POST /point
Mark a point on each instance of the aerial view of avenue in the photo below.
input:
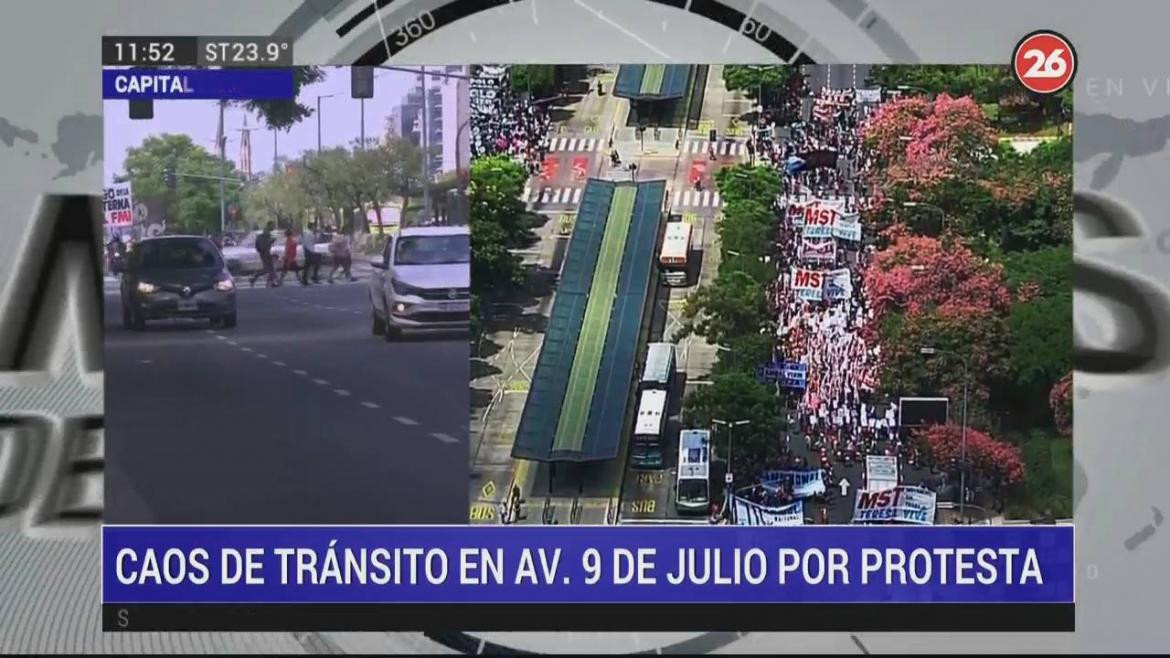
(769, 295)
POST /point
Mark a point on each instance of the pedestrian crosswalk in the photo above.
(575, 144)
(691, 198)
(722, 147)
(547, 196)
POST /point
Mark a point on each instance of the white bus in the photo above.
(676, 249)
(648, 429)
(659, 370)
(693, 490)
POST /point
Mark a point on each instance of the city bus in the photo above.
(693, 491)
(676, 248)
(648, 429)
(659, 370)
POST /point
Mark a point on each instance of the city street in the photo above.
(297, 415)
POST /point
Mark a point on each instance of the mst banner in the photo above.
(808, 284)
(585, 564)
(898, 505)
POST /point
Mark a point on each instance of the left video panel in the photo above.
(286, 300)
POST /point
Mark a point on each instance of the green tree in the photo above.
(193, 206)
(497, 226)
(495, 188)
(732, 306)
(401, 166)
(753, 80)
(1040, 325)
(987, 84)
(737, 396)
(283, 114)
(325, 179)
(743, 182)
(534, 78)
(279, 197)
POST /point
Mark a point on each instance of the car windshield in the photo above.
(433, 250)
(692, 491)
(177, 254)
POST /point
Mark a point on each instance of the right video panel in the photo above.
(769, 295)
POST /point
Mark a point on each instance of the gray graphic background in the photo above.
(51, 144)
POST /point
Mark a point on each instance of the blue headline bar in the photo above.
(198, 84)
(587, 564)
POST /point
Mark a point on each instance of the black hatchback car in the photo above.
(176, 277)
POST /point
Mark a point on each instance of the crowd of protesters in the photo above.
(505, 123)
(836, 415)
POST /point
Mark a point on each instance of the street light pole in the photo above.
(426, 145)
(729, 478)
(319, 125)
(963, 428)
(222, 146)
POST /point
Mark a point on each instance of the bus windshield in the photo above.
(692, 491)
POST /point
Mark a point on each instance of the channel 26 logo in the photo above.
(1044, 62)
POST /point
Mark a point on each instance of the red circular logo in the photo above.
(1044, 62)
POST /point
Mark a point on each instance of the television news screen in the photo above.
(521, 327)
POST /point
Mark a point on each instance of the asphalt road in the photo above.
(298, 415)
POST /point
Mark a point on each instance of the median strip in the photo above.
(570, 434)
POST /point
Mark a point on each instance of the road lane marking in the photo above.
(300, 372)
(145, 361)
(341, 391)
(246, 349)
(322, 382)
(260, 355)
(370, 405)
(232, 343)
(221, 337)
(279, 363)
(406, 421)
(445, 438)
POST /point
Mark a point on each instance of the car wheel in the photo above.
(228, 321)
(392, 333)
(378, 325)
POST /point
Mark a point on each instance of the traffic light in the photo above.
(361, 82)
(142, 109)
(169, 177)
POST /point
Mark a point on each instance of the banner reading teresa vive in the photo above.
(598, 564)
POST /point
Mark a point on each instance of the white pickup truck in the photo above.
(422, 281)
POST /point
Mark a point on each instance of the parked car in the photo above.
(422, 281)
(181, 276)
(242, 258)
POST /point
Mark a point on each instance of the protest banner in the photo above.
(848, 227)
(793, 374)
(881, 472)
(119, 205)
(898, 505)
(801, 484)
(818, 250)
(745, 512)
(873, 95)
(808, 284)
(839, 284)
